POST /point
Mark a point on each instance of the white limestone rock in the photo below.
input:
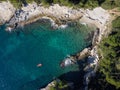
(6, 11)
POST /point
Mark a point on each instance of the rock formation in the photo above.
(6, 12)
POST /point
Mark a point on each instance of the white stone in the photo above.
(6, 11)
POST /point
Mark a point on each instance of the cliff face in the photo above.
(6, 12)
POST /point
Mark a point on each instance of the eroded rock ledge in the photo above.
(59, 14)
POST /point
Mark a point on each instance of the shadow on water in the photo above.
(75, 77)
(32, 85)
(2, 27)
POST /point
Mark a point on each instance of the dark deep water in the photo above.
(21, 51)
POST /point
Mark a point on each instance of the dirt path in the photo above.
(115, 11)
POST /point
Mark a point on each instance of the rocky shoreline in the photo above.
(58, 15)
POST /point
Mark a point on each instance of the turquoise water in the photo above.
(36, 43)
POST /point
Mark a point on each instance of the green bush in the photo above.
(110, 46)
(107, 4)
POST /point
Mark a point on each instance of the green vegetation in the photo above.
(110, 65)
(107, 4)
(108, 75)
(59, 85)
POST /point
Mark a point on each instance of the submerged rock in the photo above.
(69, 60)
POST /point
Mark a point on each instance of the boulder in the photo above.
(6, 12)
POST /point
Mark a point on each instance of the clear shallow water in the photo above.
(20, 52)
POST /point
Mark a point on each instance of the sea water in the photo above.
(23, 49)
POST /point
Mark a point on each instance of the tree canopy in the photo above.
(110, 65)
(108, 4)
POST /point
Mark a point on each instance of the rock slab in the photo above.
(6, 12)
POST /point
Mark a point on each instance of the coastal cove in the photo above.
(52, 47)
(23, 49)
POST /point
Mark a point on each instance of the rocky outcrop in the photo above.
(6, 12)
(59, 14)
(48, 87)
(55, 84)
(33, 12)
(91, 67)
(98, 16)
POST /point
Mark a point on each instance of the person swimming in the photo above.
(39, 65)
